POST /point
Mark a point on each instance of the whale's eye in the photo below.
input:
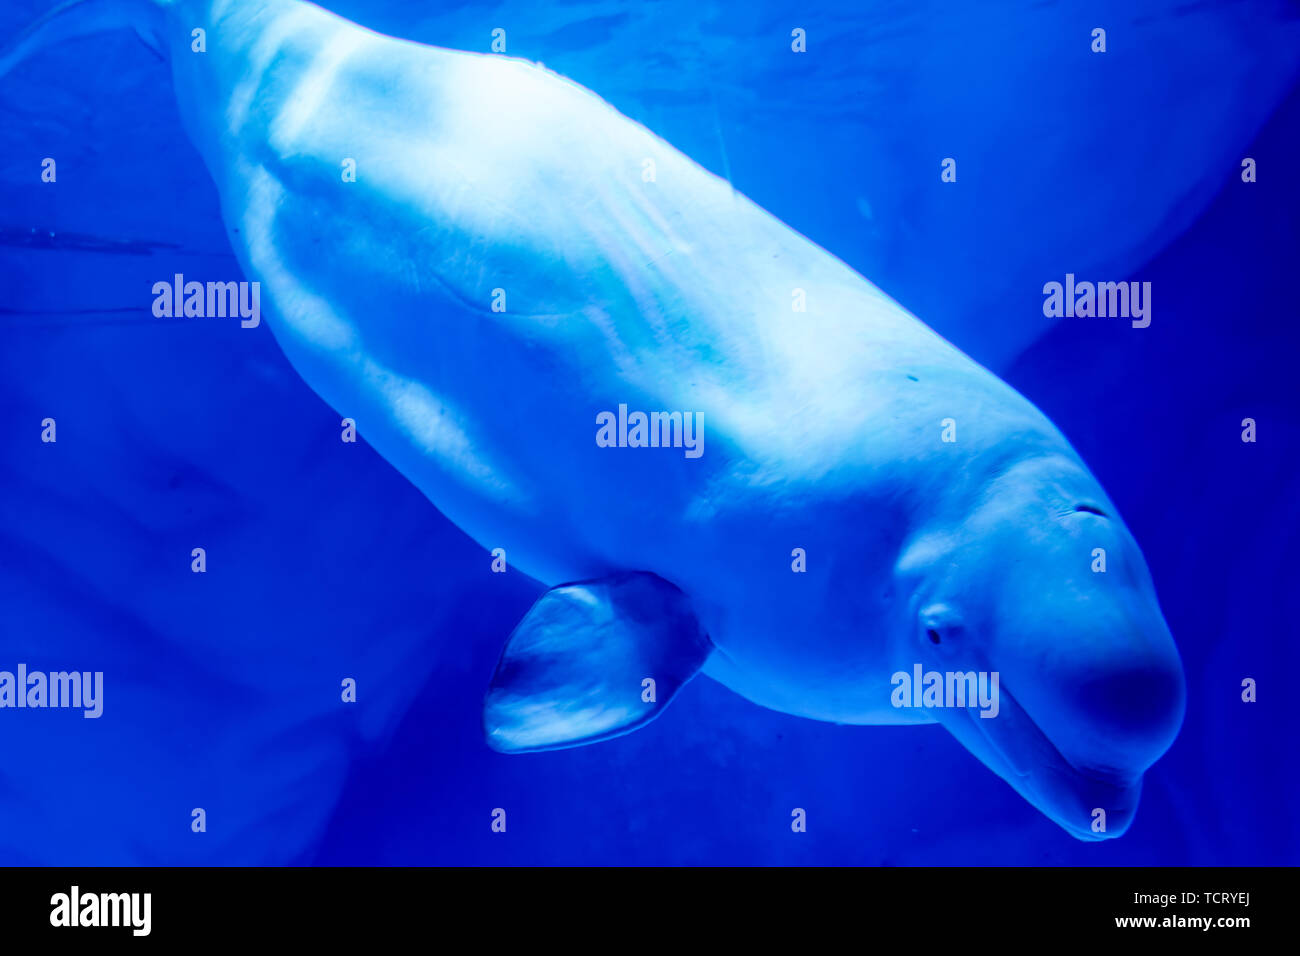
(940, 625)
(1090, 509)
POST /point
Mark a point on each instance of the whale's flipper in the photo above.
(577, 668)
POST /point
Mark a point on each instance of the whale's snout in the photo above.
(1101, 683)
(1049, 596)
(1113, 702)
(1107, 726)
(1088, 780)
(1132, 713)
(1090, 804)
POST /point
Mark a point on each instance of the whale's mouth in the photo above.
(1016, 748)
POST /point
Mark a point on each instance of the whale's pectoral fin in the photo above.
(591, 661)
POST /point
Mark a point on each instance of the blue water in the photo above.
(222, 689)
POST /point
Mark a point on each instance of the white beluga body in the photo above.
(485, 265)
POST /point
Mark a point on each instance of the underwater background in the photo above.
(222, 689)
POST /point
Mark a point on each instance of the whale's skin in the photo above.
(669, 295)
(822, 428)
(1053, 141)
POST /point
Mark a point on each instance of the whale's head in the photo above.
(1037, 584)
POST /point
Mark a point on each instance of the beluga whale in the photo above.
(720, 448)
